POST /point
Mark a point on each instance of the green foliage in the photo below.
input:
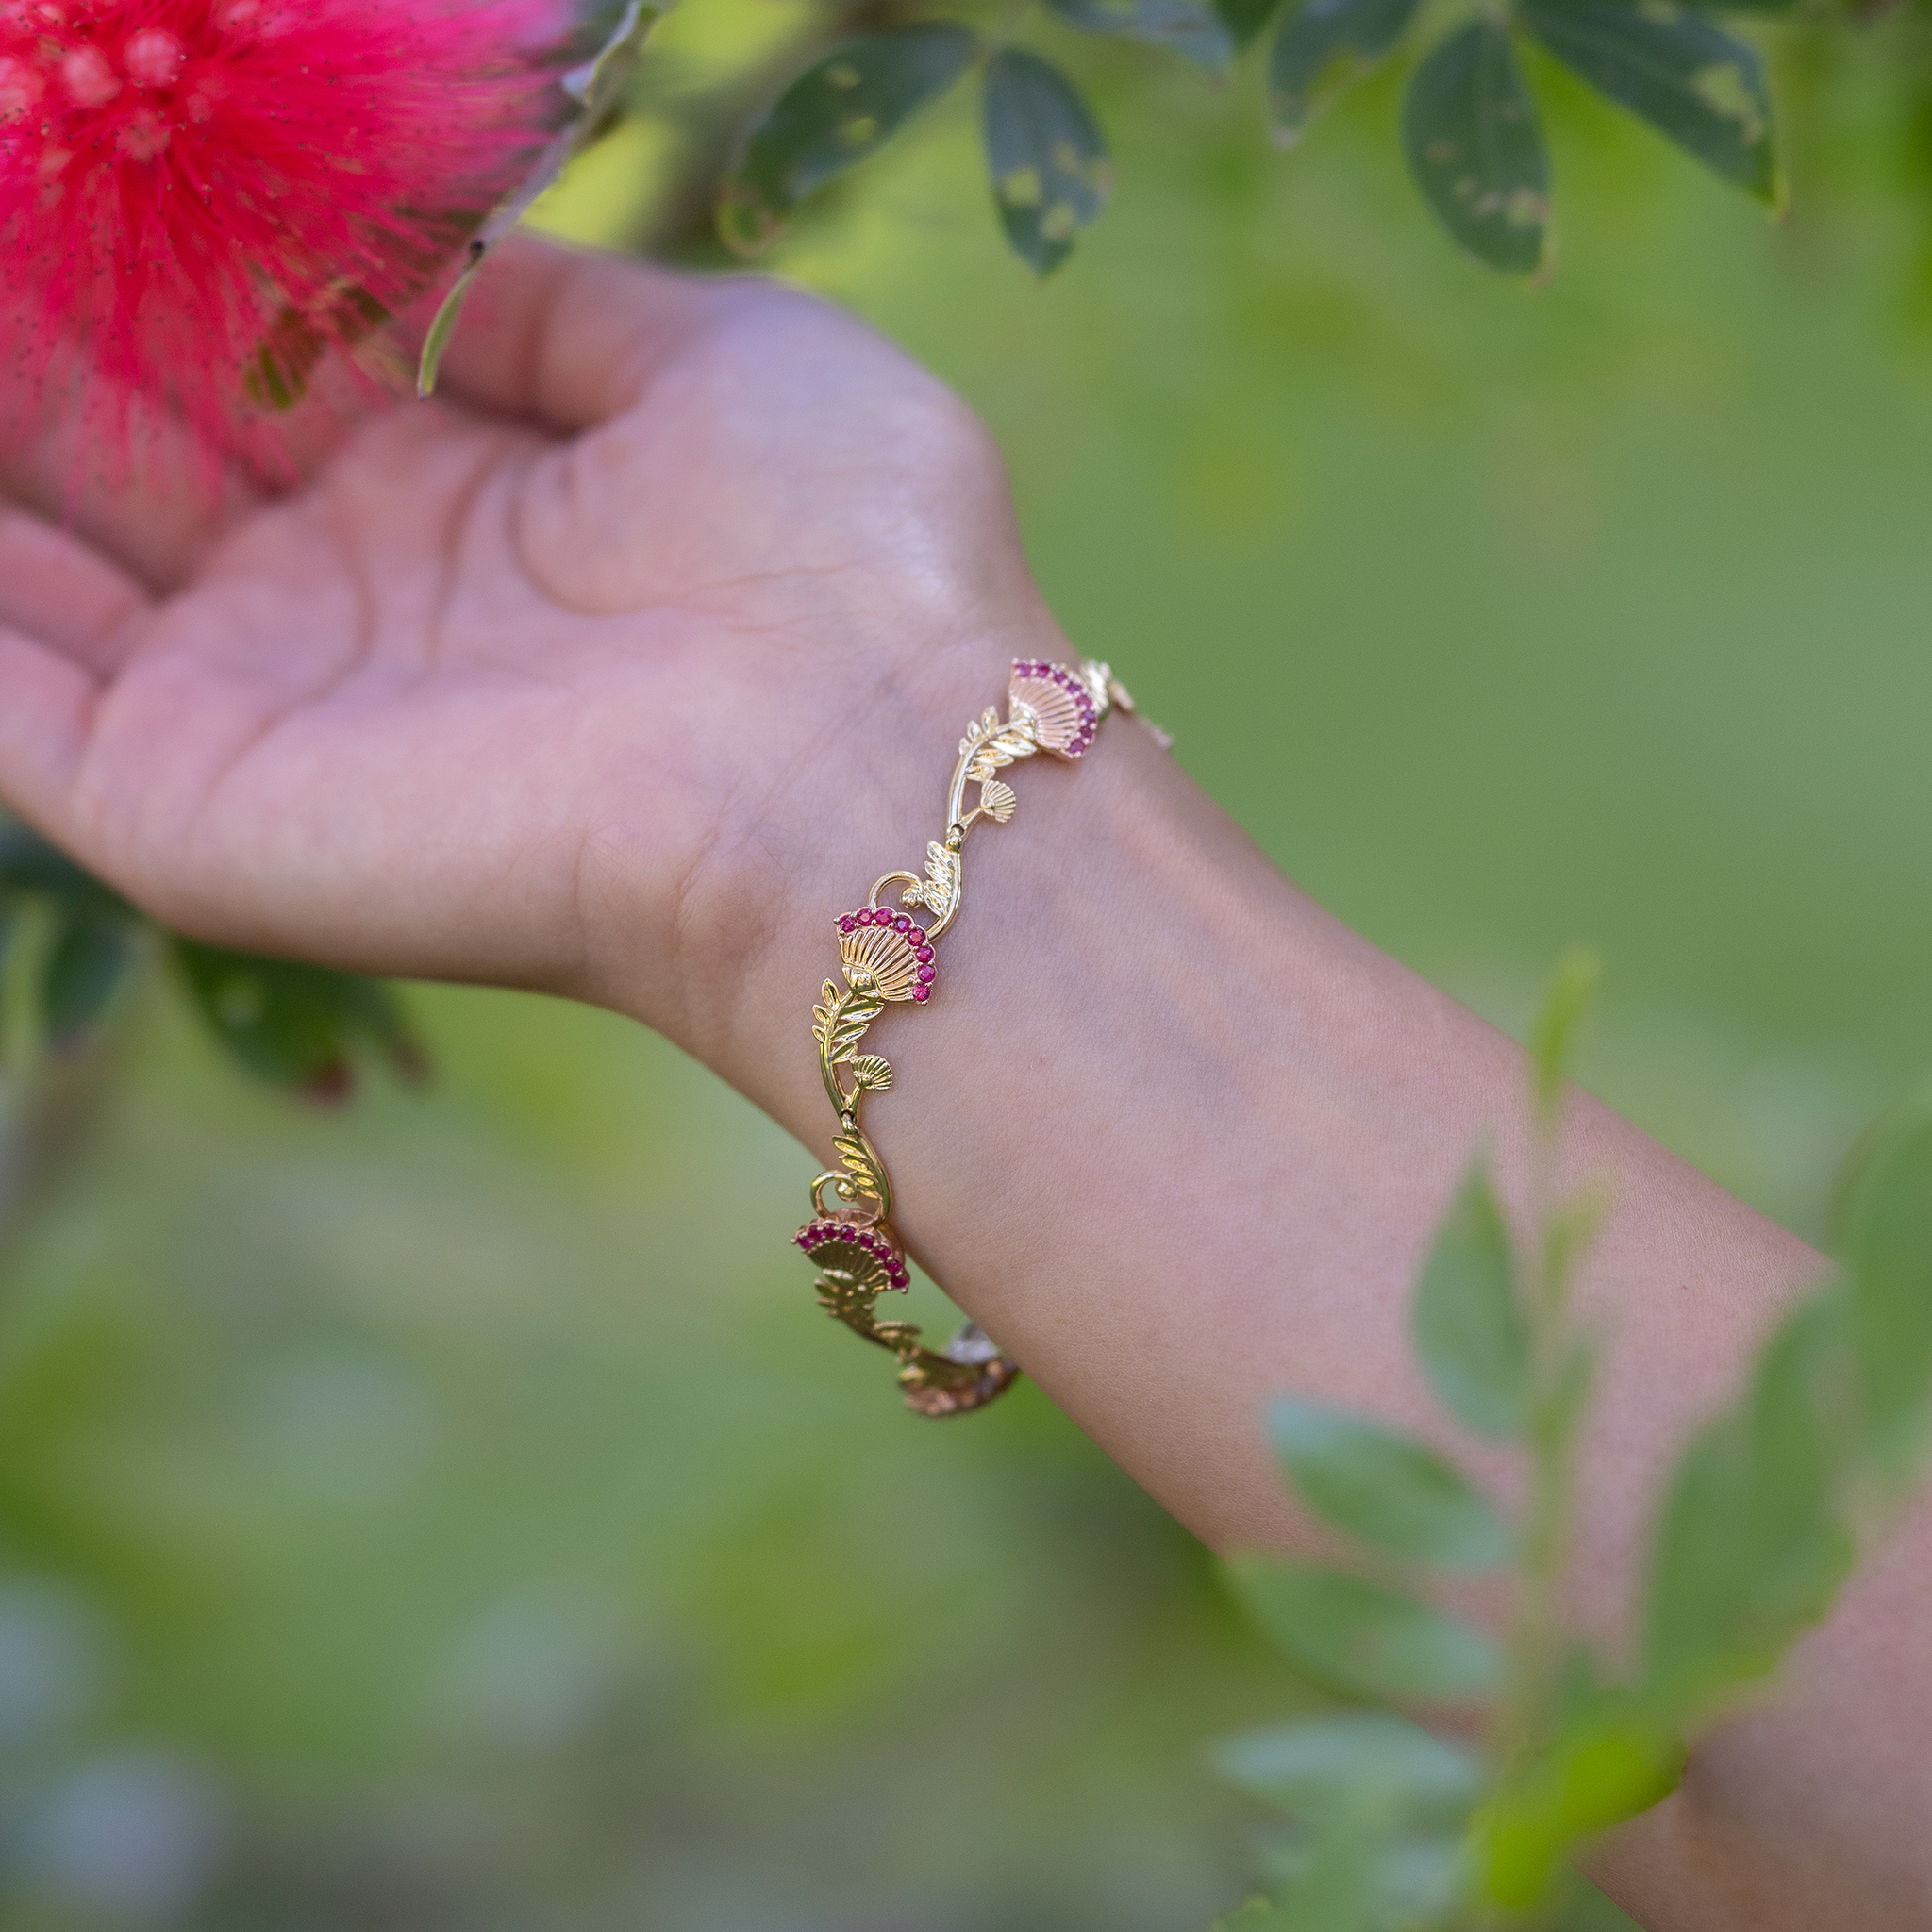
(1689, 80)
(1309, 1768)
(1608, 1763)
(1471, 1334)
(1362, 1637)
(1390, 1494)
(84, 967)
(838, 112)
(90, 937)
(1047, 161)
(1754, 1542)
(1887, 1216)
(1469, 126)
(1554, 1032)
(1475, 148)
(594, 93)
(1194, 31)
(1756, 1531)
(295, 1026)
(1327, 42)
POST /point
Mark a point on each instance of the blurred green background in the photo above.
(453, 1512)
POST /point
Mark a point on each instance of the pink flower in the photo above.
(200, 198)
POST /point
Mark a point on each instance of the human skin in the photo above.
(620, 671)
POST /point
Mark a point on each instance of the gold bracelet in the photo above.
(888, 955)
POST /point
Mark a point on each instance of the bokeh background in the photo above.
(452, 1513)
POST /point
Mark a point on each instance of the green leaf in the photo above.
(1704, 89)
(296, 1027)
(1361, 1637)
(1190, 28)
(1468, 1322)
(1308, 1768)
(84, 968)
(1330, 41)
(1252, 1915)
(1244, 19)
(31, 867)
(837, 114)
(1470, 130)
(598, 87)
(1356, 1869)
(1888, 1245)
(1554, 1032)
(1049, 166)
(1334, 1881)
(1752, 1544)
(1607, 1765)
(1387, 1492)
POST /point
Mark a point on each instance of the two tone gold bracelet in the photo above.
(887, 955)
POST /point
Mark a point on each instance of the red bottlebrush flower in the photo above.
(198, 197)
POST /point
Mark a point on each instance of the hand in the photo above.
(543, 684)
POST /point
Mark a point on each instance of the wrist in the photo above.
(851, 785)
(1023, 1120)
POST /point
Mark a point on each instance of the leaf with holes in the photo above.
(837, 114)
(1325, 44)
(1190, 28)
(1702, 88)
(1049, 166)
(1476, 151)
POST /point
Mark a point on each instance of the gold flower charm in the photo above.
(887, 954)
(1064, 711)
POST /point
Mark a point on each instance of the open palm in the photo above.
(543, 684)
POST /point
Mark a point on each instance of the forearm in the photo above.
(1179, 1141)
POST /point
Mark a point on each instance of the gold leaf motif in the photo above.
(1009, 743)
(869, 1070)
(863, 1164)
(942, 870)
(996, 800)
(840, 1024)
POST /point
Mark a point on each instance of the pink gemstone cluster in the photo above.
(909, 931)
(819, 1233)
(1074, 689)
